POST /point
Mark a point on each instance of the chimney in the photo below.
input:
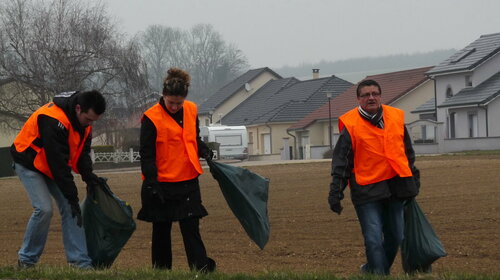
(315, 73)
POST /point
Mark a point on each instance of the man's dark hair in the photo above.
(367, 83)
(91, 100)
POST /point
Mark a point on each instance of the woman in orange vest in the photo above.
(53, 142)
(375, 156)
(170, 148)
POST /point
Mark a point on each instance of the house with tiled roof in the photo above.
(467, 97)
(232, 94)
(403, 89)
(269, 112)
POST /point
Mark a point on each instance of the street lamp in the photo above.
(210, 113)
(329, 96)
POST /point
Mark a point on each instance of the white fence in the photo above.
(115, 157)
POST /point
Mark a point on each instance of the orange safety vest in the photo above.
(379, 154)
(29, 133)
(176, 147)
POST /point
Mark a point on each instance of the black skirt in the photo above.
(171, 201)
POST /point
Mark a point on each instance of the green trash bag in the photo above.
(108, 224)
(421, 246)
(246, 194)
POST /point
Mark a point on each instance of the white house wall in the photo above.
(8, 136)
(456, 82)
(462, 121)
(486, 70)
(277, 132)
(493, 118)
(413, 99)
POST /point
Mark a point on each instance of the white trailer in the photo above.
(233, 140)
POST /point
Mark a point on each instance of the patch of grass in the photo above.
(481, 152)
(59, 273)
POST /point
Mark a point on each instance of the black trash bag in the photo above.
(421, 246)
(246, 194)
(108, 224)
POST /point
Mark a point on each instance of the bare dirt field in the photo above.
(459, 194)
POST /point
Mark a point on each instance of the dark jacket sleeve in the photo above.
(406, 187)
(203, 149)
(54, 138)
(147, 151)
(342, 164)
(410, 154)
(85, 162)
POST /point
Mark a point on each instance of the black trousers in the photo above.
(161, 248)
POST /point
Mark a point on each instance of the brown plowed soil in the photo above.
(460, 196)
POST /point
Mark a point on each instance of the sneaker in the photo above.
(363, 268)
(24, 265)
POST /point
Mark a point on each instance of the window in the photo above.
(423, 131)
(452, 125)
(468, 80)
(207, 122)
(449, 92)
(250, 137)
(472, 120)
(462, 54)
(229, 140)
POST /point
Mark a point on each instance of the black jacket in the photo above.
(54, 139)
(343, 165)
(167, 201)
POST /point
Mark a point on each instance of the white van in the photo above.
(233, 140)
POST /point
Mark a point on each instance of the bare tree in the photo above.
(50, 47)
(162, 47)
(53, 46)
(201, 50)
(214, 62)
(128, 95)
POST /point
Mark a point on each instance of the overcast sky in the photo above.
(276, 33)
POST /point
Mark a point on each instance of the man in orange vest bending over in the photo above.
(375, 156)
(54, 141)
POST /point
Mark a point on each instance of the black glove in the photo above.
(337, 208)
(95, 181)
(335, 205)
(76, 212)
(209, 155)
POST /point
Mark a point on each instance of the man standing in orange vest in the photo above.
(54, 141)
(375, 156)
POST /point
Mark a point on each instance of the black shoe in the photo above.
(209, 266)
(364, 268)
(24, 265)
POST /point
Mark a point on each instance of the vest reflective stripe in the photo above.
(29, 133)
(379, 154)
(176, 147)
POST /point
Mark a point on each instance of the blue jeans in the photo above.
(40, 189)
(382, 224)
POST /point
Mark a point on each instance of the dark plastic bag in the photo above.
(246, 194)
(108, 224)
(421, 246)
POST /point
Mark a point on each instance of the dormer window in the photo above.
(449, 92)
(462, 54)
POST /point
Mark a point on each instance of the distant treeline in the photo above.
(355, 69)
